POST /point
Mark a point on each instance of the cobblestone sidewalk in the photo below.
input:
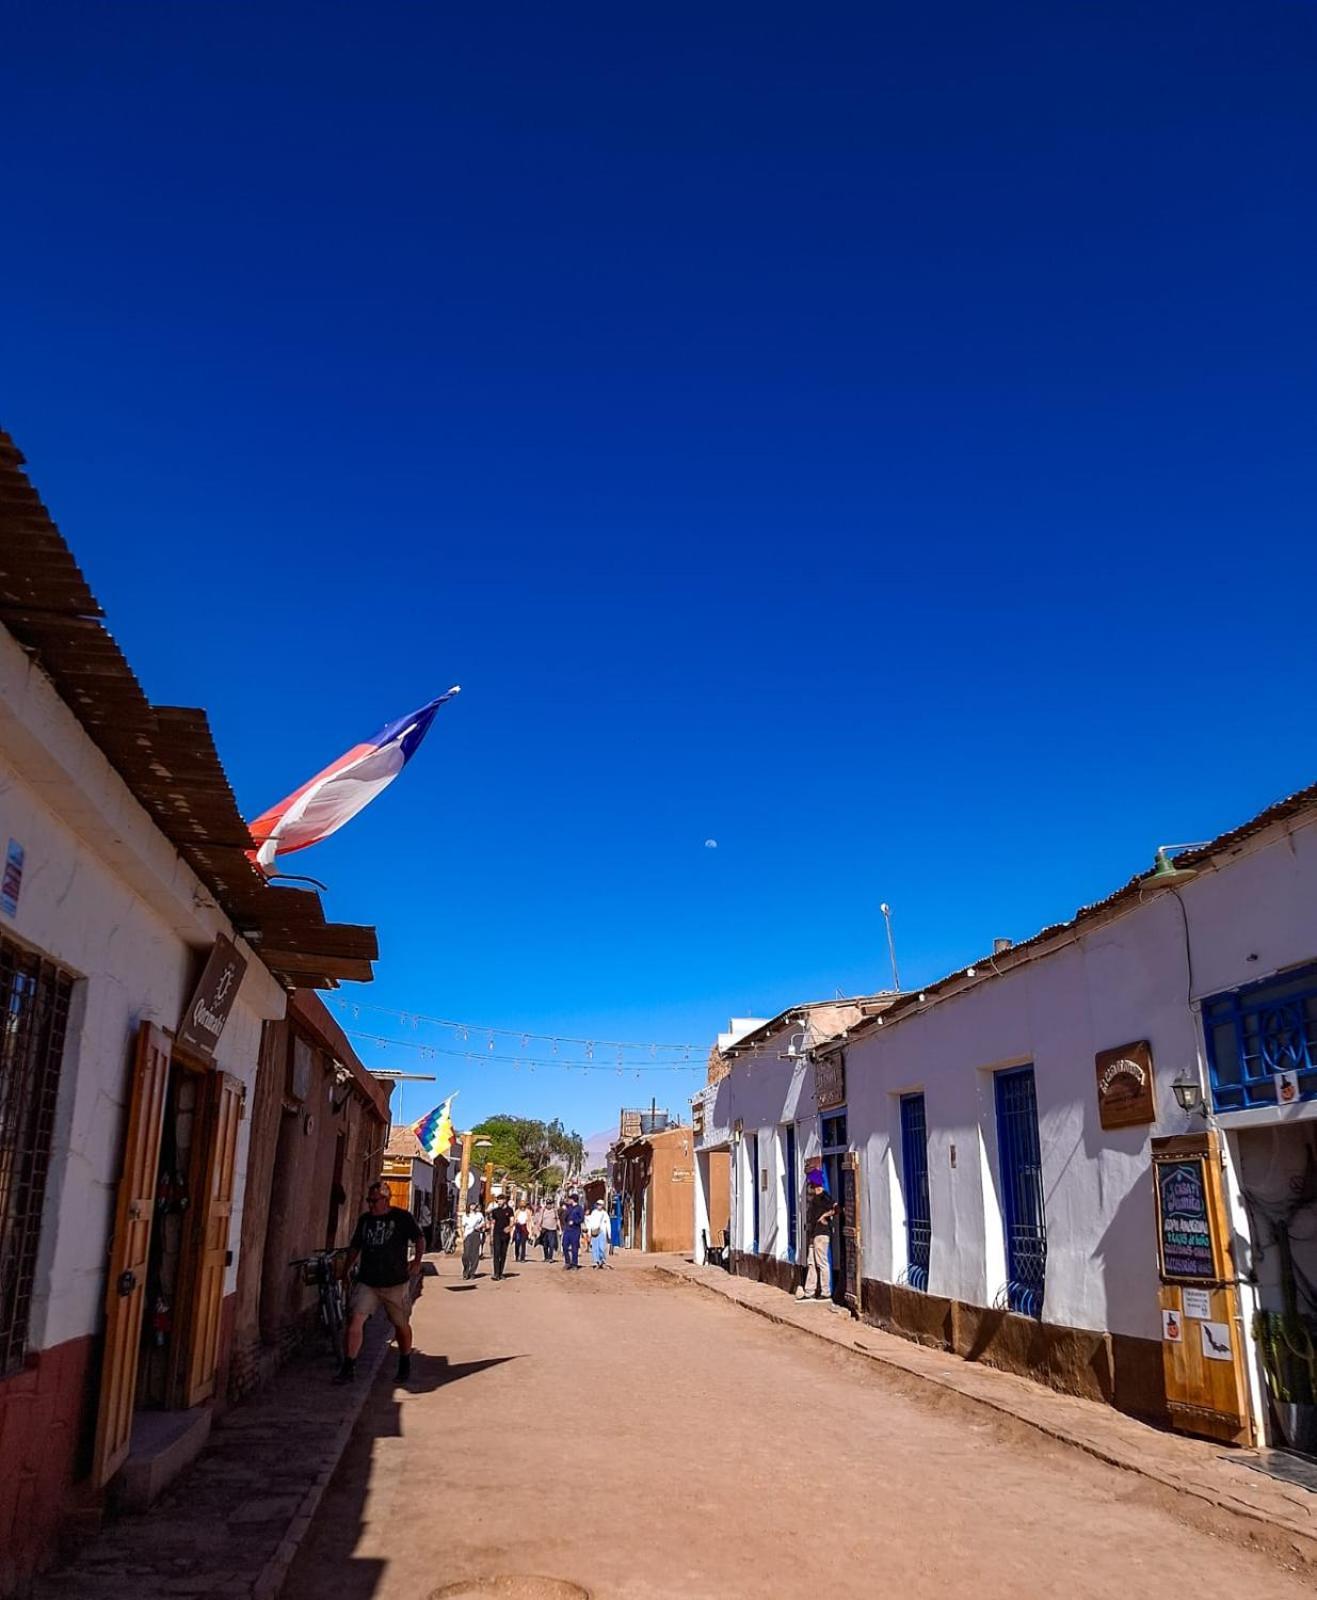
(232, 1522)
(1265, 1509)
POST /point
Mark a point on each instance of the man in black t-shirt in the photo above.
(501, 1217)
(389, 1244)
(820, 1209)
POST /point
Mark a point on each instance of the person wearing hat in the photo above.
(597, 1226)
(571, 1234)
(820, 1209)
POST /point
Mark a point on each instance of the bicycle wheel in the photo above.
(331, 1314)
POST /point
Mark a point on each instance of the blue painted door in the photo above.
(914, 1182)
(792, 1199)
(752, 1153)
(1021, 1166)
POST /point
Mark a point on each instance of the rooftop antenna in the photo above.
(891, 945)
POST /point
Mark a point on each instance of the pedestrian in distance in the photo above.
(520, 1231)
(597, 1225)
(473, 1230)
(820, 1209)
(549, 1230)
(500, 1217)
(572, 1222)
(386, 1248)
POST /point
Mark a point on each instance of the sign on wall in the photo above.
(11, 886)
(212, 1000)
(1125, 1086)
(830, 1080)
(1184, 1225)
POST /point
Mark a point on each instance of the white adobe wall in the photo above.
(1125, 980)
(105, 895)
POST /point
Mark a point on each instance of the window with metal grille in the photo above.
(34, 1007)
(1021, 1165)
(914, 1183)
(1257, 1032)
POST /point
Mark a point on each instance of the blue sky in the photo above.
(878, 438)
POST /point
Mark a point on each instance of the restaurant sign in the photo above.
(212, 1000)
(1125, 1086)
(830, 1080)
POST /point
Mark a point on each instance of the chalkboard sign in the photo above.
(1184, 1224)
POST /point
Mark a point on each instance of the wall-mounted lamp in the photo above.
(1188, 1092)
(1165, 874)
(343, 1081)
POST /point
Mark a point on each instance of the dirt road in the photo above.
(636, 1437)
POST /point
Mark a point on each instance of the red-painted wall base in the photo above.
(43, 1447)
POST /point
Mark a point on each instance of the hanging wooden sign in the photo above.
(212, 1000)
(830, 1080)
(1125, 1086)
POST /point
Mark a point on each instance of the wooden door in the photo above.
(203, 1290)
(850, 1230)
(129, 1249)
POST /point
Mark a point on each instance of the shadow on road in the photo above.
(435, 1372)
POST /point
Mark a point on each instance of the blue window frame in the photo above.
(752, 1151)
(1021, 1166)
(914, 1184)
(792, 1199)
(1255, 1032)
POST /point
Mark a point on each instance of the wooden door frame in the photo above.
(189, 1245)
(192, 1245)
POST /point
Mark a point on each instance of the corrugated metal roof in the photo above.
(165, 754)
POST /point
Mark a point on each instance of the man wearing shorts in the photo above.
(389, 1245)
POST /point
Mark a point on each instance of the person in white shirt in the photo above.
(520, 1231)
(597, 1226)
(473, 1228)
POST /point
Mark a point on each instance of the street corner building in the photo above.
(652, 1167)
(1089, 1158)
(179, 1116)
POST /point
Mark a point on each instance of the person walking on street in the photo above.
(820, 1208)
(572, 1221)
(473, 1227)
(549, 1230)
(501, 1217)
(597, 1226)
(520, 1231)
(385, 1238)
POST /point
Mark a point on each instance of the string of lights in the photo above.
(430, 1052)
(468, 1030)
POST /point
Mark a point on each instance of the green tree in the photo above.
(528, 1149)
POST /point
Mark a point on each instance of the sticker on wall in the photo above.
(1287, 1087)
(1216, 1341)
(1197, 1304)
(12, 884)
(1172, 1327)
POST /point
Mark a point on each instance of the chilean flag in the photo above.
(323, 804)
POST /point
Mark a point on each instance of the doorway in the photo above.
(835, 1149)
(168, 1263)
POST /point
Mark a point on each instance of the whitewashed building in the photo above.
(1003, 1129)
(140, 957)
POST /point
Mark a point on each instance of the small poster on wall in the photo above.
(1172, 1327)
(1197, 1304)
(1216, 1341)
(1287, 1087)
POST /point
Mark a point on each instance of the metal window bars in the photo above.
(914, 1175)
(34, 1007)
(1021, 1170)
(1254, 1033)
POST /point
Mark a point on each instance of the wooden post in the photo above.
(467, 1139)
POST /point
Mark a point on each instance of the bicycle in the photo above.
(448, 1236)
(320, 1269)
